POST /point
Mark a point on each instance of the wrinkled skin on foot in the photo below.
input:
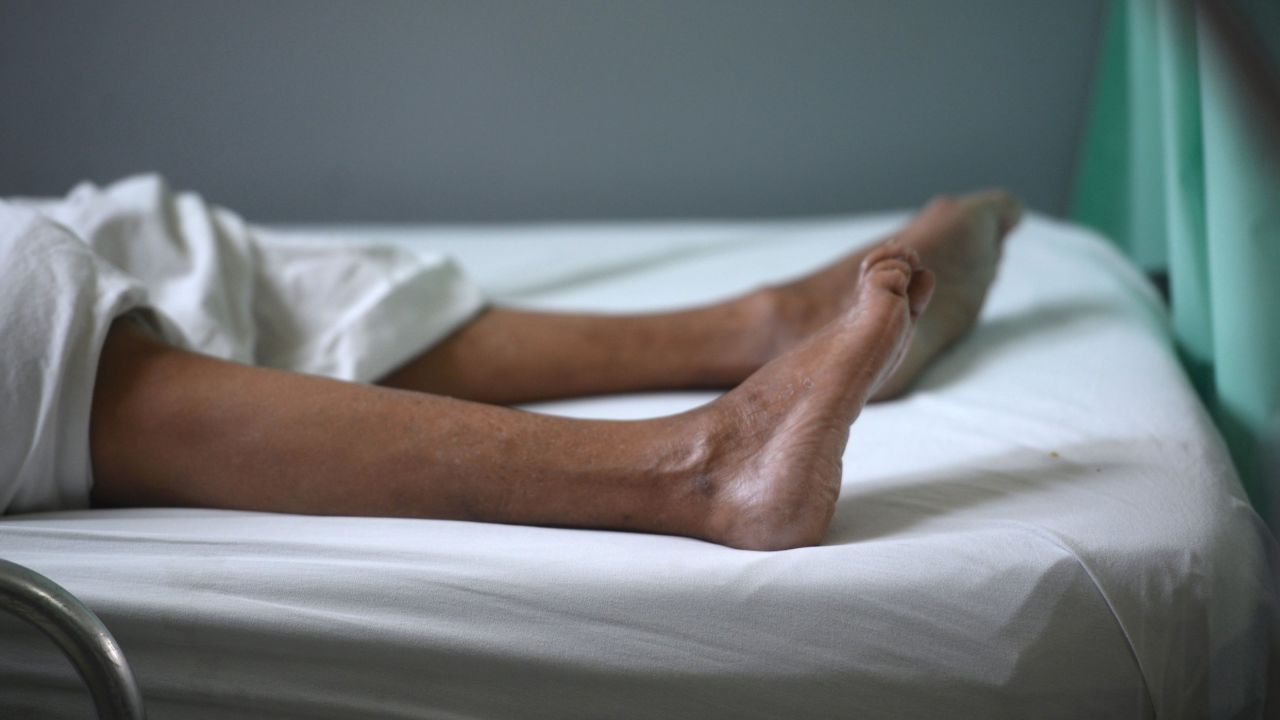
(958, 239)
(774, 445)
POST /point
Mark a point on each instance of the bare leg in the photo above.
(510, 356)
(758, 468)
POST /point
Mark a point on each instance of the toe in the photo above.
(1011, 214)
(887, 252)
(889, 270)
(1006, 208)
(919, 291)
(940, 204)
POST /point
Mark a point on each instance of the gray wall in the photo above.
(302, 110)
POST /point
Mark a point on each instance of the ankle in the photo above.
(768, 323)
(716, 484)
(694, 445)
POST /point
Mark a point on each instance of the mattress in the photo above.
(1047, 526)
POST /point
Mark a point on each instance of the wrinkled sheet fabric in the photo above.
(201, 278)
(1047, 527)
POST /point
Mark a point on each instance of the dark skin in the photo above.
(758, 468)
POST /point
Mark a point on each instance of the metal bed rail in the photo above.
(79, 634)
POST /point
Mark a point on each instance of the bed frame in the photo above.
(79, 634)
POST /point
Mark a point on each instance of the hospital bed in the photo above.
(1048, 526)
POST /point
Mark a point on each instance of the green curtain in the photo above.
(1175, 168)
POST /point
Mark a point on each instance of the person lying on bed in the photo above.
(158, 354)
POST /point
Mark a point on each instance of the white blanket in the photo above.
(1048, 526)
(72, 266)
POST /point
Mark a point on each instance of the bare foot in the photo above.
(958, 239)
(773, 445)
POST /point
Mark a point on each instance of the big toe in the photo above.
(1004, 207)
(919, 291)
(889, 269)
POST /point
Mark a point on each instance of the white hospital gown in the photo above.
(207, 283)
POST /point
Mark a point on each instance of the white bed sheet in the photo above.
(1048, 526)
